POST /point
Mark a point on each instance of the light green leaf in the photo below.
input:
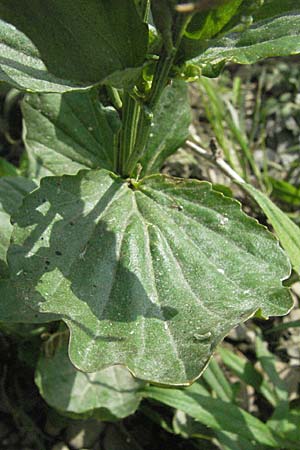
(110, 394)
(287, 231)
(69, 132)
(170, 127)
(127, 267)
(214, 413)
(61, 45)
(277, 35)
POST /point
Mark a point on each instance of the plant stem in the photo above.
(114, 96)
(216, 161)
(130, 122)
(145, 8)
(159, 82)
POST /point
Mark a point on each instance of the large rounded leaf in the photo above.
(60, 45)
(109, 394)
(151, 276)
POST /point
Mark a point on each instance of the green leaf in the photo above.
(287, 231)
(127, 267)
(69, 132)
(12, 307)
(285, 192)
(12, 192)
(207, 24)
(170, 126)
(214, 413)
(62, 45)
(270, 35)
(246, 372)
(7, 169)
(110, 394)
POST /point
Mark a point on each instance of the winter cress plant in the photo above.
(147, 271)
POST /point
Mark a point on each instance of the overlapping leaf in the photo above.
(12, 306)
(61, 45)
(275, 32)
(12, 192)
(167, 261)
(109, 394)
(69, 132)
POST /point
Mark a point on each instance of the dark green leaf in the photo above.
(12, 306)
(170, 127)
(12, 192)
(110, 394)
(60, 45)
(167, 261)
(69, 132)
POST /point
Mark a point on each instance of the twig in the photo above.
(216, 161)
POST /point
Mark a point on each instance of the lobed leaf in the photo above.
(127, 267)
(110, 394)
(62, 45)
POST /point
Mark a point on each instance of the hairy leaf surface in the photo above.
(109, 394)
(69, 132)
(60, 45)
(151, 276)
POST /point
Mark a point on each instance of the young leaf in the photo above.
(126, 267)
(69, 132)
(287, 231)
(270, 35)
(110, 394)
(170, 127)
(61, 45)
(215, 413)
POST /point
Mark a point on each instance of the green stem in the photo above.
(130, 121)
(160, 81)
(114, 96)
(145, 8)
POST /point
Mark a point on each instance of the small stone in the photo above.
(84, 434)
(60, 446)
